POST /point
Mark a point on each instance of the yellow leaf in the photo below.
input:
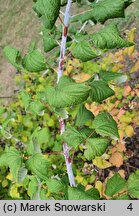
(81, 77)
(131, 34)
(79, 179)
(99, 187)
(9, 177)
(129, 131)
(101, 163)
(14, 191)
(135, 67)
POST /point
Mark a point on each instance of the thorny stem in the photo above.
(60, 73)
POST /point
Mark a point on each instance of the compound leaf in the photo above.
(48, 10)
(78, 194)
(13, 56)
(100, 90)
(108, 76)
(109, 38)
(105, 125)
(83, 51)
(55, 186)
(38, 165)
(49, 42)
(67, 93)
(83, 116)
(114, 185)
(34, 61)
(13, 160)
(95, 147)
(73, 137)
(133, 185)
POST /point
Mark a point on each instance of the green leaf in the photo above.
(88, 132)
(49, 42)
(88, 15)
(73, 137)
(55, 186)
(33, 144)
(43, 135)
(95, 147)
(13, 56)
(26, 98)
(108, 76)
(133, 185)
(22, 173)
(107, 9)
(48, 10)
(61, 112)
(84, 52)
(103, 10)
(38, 165)
(36, 107)
(109, 38)
(34, 61)
(114, 185)
(100, 91)
(34, 188)
(105, 125)
(122, 197)
(83, 116)
(67, 93)
(78, 194)
(13, 160)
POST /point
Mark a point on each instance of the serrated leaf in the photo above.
(108, 76)
(73, 137)
(114, 185)
(55, 186)
(133, 185)
(13, 160)
(109, 38)
(39, 166)
(83, 116)
(100, 91)
(78, 194)
(48, 10)
(101, 163)
(61, 112)
(33, 144)
(13, 56)
(34, 61)
(102, 11)
(26, 98)
(88, 132)
(14, 191)
(34, 188)
(21, 174)
(95, 147)
(49, 42)
(88, 15)
(122, 197)
(67, 93)
(36, 107)
(107, 9)
(105, 125)
(43, 135)
(84, 52)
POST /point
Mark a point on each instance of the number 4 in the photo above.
(129, 207)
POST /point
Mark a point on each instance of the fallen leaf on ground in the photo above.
(116, 159)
